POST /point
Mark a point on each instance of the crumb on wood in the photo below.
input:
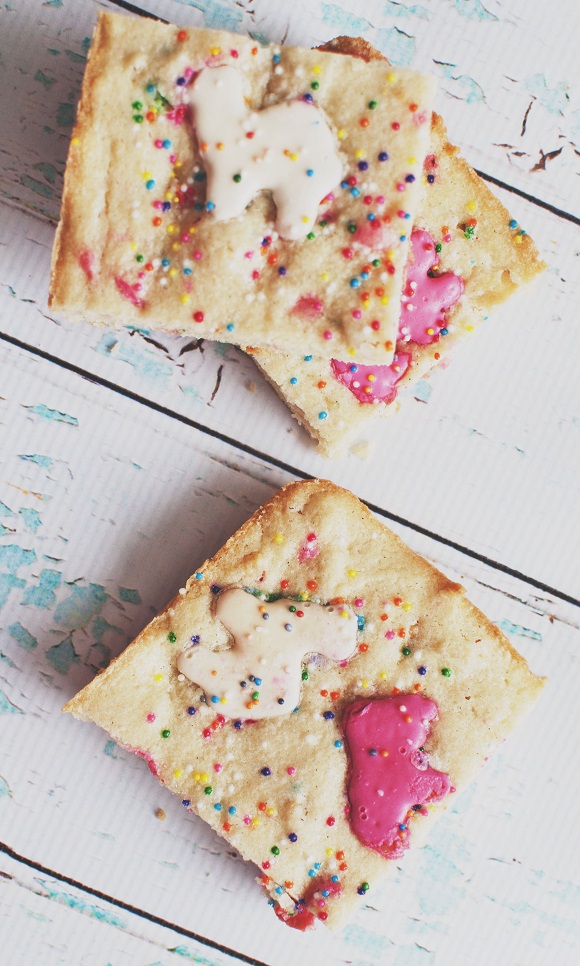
(160, 814)
(252, 386)
(361, 449)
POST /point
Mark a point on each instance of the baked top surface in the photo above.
(285, 777)
(132, 247)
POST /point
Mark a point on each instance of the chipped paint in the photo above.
(6, 705)
(397, 45)
(82, 604)
(129, 596)
(62, 656)
(517, 630)
(554, 99)
(5, 791)
(148, 364)
(65, 114)
(43, 595)
(217, 15)
(40, 409)
(343, 20)
(12, 557)
(38, 187)
(46, 462)
(76, 902)
(25, 638)
(393, 9)
(473, 10)
(463, 87)
(31, 519)
(9, 582)
(42, 78)
(422, 391)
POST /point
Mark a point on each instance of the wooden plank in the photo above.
(43, 919)
(496, 433)
(108, 506)
(509, 87)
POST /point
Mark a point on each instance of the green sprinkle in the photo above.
(136, 105)
(351, 228)
(138, 118)
(372, 105)
(237, 178)
(438, 248)
(275, 850)
(165, 733)
(208, 789)
(376, 262)
(171, 637)
(255, 695)
(315, 85)
(292, 609)
(323, 224)
(310, 236)
(446, 672)
(406, 651)
(364, 885)
(469, 231)
(305, 675)
(139, 258)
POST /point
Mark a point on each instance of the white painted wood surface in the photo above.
(112, 492)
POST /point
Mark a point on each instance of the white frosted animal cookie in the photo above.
(259, 675)
(287, 148)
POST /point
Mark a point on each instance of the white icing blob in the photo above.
(287, 149)
(270, 643)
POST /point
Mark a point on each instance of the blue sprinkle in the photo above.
(325, 893)
(344, 185)
(186, 802)
(430, 178)
(280, 700)
(215, 588)
(355, 192)
(307, 358)
(523, 231)
(363, 165)
(402, 827)
(317, 865)
(165, 262)
(282, 271)
(199, 575)
(406, 215)
(237, 724)
(232, 810)
(373, 752)
(195, 638)
(150, 88)
(218, 807)
(276, 59)
(230, 327)
(265, 772)
(265, 617)
(328, 715)
(266, 242)
(191, 710)
(353, 367)
(410, 178)
(150, 184)
(354, 282)
(334, 878)
(383, 156)
(338, 743)
(360, 622)
(444, 331)
(209, 206)
(402, 238)
(214, 699)
(323, 414)
(258, 681)
(308, 98)
(513, 223)
(293, 837)
(288, 627)
(166, 143)
(293, 382)
(250, 677)
(187, 271)
(310, 172)
(364, 276)
(180, 81)
(311, 873)
(422, 669)
(371, 217)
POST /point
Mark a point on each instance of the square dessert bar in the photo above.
(213, 185)
(316, 693)
(479, 256)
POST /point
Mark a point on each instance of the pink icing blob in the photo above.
(310, 306)
(309, 549)
(382, 387)
(375, 235)
(382, 789)
(303, 918)
(424, 298)
(87, 263)
(128, 292)
(427, 298)
(148, 758)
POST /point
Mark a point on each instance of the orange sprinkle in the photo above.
(402, 632)
(384, 617)
(363, 648)
(321, 384)
(397, 601)
(182, 35)
(364, 122)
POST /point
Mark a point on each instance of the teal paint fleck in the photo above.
(40, 409)
(413, 955)
(62, 656)
(4, 530)
(4, 788)
(366, 942)
(45, 461)
(12, 557)
(5, 511)
(9, 582)
(129, 596)
(109, 748)
(186, 953)
(398, 46)
(516, 629)
(38, 187)
(82, 604)
(6, 706)
(65, 115)
(555, 99)
(86, 44)
(47, 170)
(148, 363)
(7, 660)
(465, 88)
(54, 52)
(43, 595)
(53, 3)
(343, 20)
(473, 10)
(100, 654)
(31, 519)
(46, 82)
(76, 58)
(24, 637)
(80, 905)
(216, 15)
(422, 391)
(401, 10)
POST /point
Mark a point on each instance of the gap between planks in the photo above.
(281, 464)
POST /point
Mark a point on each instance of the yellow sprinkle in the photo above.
(176, 199)
(383, 675)
(324, 276)
(412, 160)
(178, 164)
(359, 154)
(365, 684)
(175, 245)
(344, 613)
(192, 230)
(391, 78)
(158, 677)
(407, 606)
(177, 773)
(518, 239)
(351, 573)
(215, 51)
(223, 700)
(330, 851)
(185, 299)
(220, 145)
(304, 596)
(305, 219)
(171, 229)
(294, 156)
(279, 538)
(255, 822)
(371, 377)
(385, 300)
(197, 777)
(351, 351)
(316, 69)
(75, 141)
(146, 175)
(205, 777)
(133, 246)
(270, 811)
(430, 331)
(168, 195)
(173, 272)
(471, 206)
(341, 133)
(469, 328)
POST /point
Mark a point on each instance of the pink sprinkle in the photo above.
(197, 255)
(400, 186)
(359, 602)
(137, 287)
(356, 314)
(389, 635)
(327, 334)
(158, 143)
(173, 158)
(188, 72)
(447, 238)
(255, 274)
(185, 238)
(247, 820)
(150, 717)
(249, 255)
(158, 205)
(217, 766)
(291, 770)
(380, 199)
(401, 213)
